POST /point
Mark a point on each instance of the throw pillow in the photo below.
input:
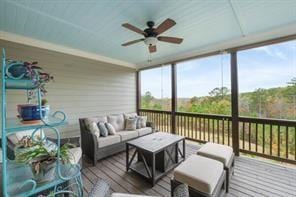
(93, 127)
(131, 124)
(181, 191)
(89, 124)
(111, 129)
(139, 120)
(103, 129)
(142, 120)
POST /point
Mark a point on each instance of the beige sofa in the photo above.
(96, 147)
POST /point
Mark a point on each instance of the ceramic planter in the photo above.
(31, 112)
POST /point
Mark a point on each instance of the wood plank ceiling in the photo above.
(95, 26)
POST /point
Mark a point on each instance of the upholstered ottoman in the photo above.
(220, 153)
(204, 176)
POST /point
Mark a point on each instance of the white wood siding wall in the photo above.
(81, 88)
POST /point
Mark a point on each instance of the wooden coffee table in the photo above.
(157, 153)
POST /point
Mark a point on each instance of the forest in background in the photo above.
(277, 103)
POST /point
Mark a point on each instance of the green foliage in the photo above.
(278, 103)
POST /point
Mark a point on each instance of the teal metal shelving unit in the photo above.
(17, 179)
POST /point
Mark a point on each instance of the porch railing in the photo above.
(270, 138)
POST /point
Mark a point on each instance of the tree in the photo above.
(219, 92)
(147, 99)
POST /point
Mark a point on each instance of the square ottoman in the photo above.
(221, 153)
(204, 176)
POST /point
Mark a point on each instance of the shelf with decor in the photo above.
(40, 165)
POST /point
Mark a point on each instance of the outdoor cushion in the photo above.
(103, 129)
(130, 115)
(16, 137)
(218, 152)
(131, 124)
(117, 121)
(109, 140)
(89, 123)
(144, 131)
(75, 155)
(126, 135)
(200, 173)
(141, 122)
(93, 128)
(110, 128)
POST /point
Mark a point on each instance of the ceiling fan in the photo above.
(151, 34)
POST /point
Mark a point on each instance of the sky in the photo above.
(263, 67)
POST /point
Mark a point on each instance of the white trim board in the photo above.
(62, 49)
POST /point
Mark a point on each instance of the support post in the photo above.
(138, 91)
(234, 103)
(174, 98)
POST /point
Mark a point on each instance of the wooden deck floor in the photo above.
(252, 178)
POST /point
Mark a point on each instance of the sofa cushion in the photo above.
(200, 173)
(130, 115)
(103, 129)
(16, 137)
(218, 152)
(75, 155)
(142, 120)
(131, 124)
(144, 131)
(109, 140)
(89, 122)
(94, 129)
(111, 130)
(126, 135)
(117, 121)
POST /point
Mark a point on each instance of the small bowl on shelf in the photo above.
(30, 112)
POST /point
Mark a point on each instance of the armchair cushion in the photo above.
(75, 155)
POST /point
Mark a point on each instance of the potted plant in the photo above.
(30, 70)
(42, 157)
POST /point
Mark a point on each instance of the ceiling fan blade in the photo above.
(165, 25)
(134, 29)
(132, 42)
(152, 48)
(173, 40)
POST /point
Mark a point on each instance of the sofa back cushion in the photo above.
(130, 115)
(88, 122)
(117, 121)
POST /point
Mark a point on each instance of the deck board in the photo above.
(252, 177)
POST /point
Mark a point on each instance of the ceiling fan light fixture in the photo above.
(150, 41)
